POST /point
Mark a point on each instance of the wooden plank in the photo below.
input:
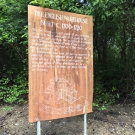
(60, 64)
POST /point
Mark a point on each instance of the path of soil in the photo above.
(116, 120)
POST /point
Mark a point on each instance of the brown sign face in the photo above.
(60, 64)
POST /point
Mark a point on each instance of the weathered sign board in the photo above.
(60, 64)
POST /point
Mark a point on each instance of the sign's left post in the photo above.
(38, 128)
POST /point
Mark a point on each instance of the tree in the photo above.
(114, 46)
(13, 50)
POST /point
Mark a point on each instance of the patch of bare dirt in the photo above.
(116, 120)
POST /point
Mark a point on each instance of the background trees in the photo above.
(13, 50)
(114, 31)
(114, 46)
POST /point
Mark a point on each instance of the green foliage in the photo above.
(63, 5)
(114, 47)
(114, 57)
(7, 108)
(13, 51)
(15, 89)
(102, 97)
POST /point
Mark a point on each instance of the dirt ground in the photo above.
(116, 120)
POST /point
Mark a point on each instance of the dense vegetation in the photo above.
(114, 47)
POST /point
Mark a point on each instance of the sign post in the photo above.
(85, 124)
(38, 128)
(60, 64)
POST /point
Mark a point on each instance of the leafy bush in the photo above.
(13, 51)
(114, 47)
